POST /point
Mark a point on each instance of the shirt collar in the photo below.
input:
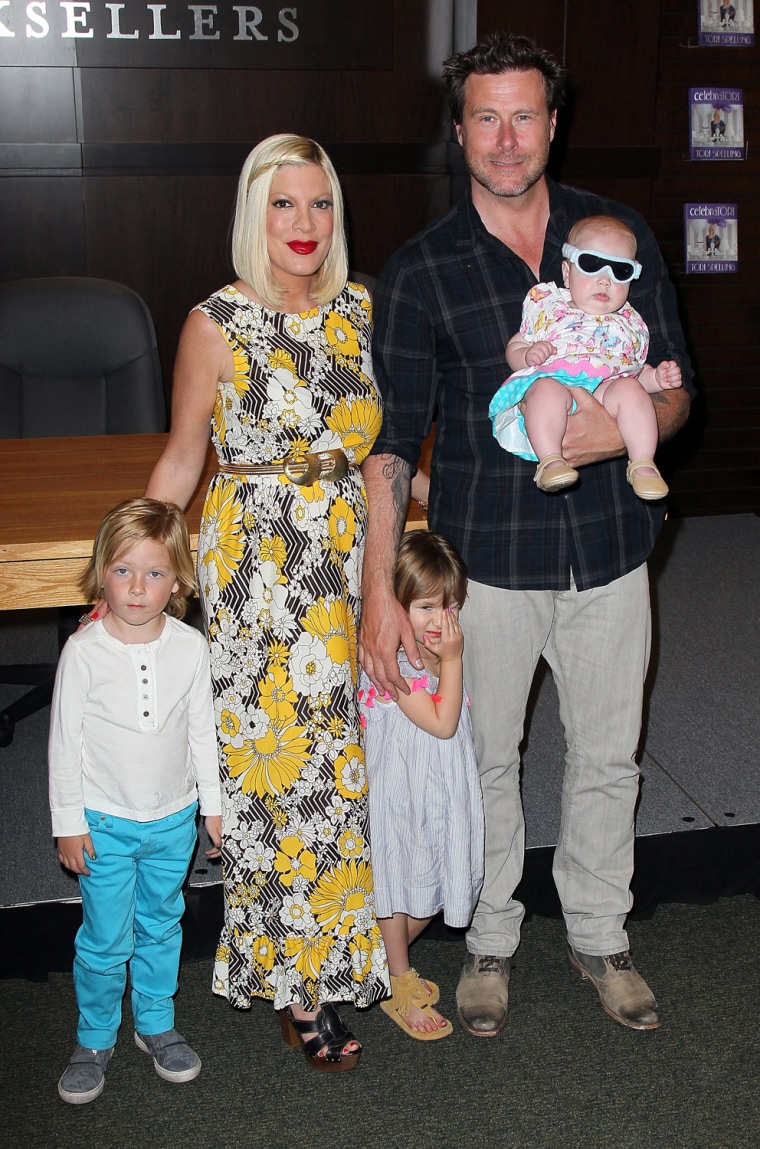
(469, 229)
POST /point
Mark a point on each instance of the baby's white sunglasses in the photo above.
(590, 262)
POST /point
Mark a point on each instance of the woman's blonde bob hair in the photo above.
(427, 564)
(131, 523)
(250, 256)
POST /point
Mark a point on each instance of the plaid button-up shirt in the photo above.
(446, 305)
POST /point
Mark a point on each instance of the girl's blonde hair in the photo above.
(250, 255)
(600, 223)
(428, 563)
(130, 523)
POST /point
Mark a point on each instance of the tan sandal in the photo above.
(408, 990)
(646, 486)
(561, 475)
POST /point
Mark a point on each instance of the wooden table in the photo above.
(53, 496)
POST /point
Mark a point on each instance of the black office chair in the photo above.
(78, 356)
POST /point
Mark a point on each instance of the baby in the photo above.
(584, 335)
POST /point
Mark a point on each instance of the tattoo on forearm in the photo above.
(399, 473)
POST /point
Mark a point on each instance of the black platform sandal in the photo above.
(331, 1035)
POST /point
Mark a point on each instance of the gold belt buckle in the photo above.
(333, 466)
(303, 472)
(328, 466)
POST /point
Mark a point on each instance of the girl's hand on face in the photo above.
(451, 642)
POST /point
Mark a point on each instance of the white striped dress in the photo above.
(425, 810)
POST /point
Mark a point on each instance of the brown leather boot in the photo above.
(483, 994)
(622, 991)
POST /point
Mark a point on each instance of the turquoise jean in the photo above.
(597, 644)
(132, 904)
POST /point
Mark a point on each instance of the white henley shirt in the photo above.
(132, 728)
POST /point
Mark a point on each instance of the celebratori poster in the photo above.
(728, 24)
(716, 117)
(712, 243)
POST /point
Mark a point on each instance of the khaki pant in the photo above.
(597, 644)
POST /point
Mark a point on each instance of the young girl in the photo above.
(426, 807)
(584, 335)
(132, 750)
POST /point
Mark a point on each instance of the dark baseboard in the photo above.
(693, 867)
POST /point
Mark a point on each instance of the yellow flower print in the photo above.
(309, 953)
(229, 724)
(357, 424)
(220, 543)
(281, 358)
(341, 334)
(276, 813)
(341, 894)
(312, 492)
(228, 394)
(277, 695)
(270, 763)
(298, 446)
(350, 844)
(279, 653)
(273, 550)
(334, 623)
(292, 860)
(351, 773)
(222, 952)
(263, 952)
(361, 948)
(342, 525)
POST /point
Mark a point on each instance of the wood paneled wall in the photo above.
(129, 173)
(626, 135)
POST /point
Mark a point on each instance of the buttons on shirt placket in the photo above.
(146, 689)
(144, 682)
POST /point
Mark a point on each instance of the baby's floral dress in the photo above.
(278, 569)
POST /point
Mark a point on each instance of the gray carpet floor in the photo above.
(562, 1075)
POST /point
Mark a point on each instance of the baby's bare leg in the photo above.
(627, 401)
(546, 406)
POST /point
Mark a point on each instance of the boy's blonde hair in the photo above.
(428, 563)
(250, 255)
(130, 523)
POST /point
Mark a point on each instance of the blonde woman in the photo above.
(278, 365)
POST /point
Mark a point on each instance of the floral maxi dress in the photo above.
(279, 568)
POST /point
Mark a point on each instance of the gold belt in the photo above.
(303, 470)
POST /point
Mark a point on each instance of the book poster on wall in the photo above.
(728, 24)
(712, 243)
(716, 116)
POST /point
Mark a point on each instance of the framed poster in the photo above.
(711, 237)
(716, 121)
(727, 23)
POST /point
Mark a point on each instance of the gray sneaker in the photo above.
(622, 991)
(173, 1058)
(84, 1077)
(483, 994)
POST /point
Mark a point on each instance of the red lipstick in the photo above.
(302, 247)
